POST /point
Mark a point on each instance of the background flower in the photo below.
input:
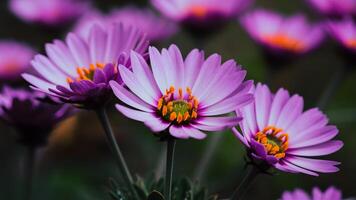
(156, 28)
(49, 12)
(15, 59)
(276, 130)
(344, 32)
(79, 70)
(330, 194)
(201, 13)
(186, 96)
(279, 34)
(334, 8)
(32, 118)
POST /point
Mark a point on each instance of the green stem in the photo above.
(119, 158)
(29, 171)
(246, 182)
(171, 143)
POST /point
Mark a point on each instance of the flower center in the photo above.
(351, 43)
(284, 42)
(199, 11)
(274, 140)
(85, 73)
(179, 109)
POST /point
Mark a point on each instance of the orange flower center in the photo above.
(85, 73)
(199, 11)
(178, 110)
(285, 42)
(274, 141)
(351, 43)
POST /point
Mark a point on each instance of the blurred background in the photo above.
(77, 163)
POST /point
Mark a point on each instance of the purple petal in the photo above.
(193, 132)
(157, 124)
(178, 132)
(134, 114)
(130, 99)
(316, 165)
(263, 105)
(317, 150)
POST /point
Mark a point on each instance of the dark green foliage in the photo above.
(151, 189)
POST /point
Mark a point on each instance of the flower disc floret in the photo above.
(178, 110)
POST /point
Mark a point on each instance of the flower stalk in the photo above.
(246, 182)
(171, 143)
(119, 158)
(29, 166)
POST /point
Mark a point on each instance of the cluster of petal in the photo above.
(200, 11)
(34, 119)
(14, 59)
(282, 34)
(78, 70)
(330, 194)
(334, 8)
(156, 28)
(49, 12)
(344, 32)
(216, 88)
(304, 134)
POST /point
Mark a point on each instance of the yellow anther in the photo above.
(179, 118)
(69, 80)
(172, 116)
(100, 65)
(160, 103)
(180, 92)
(194, 115)
(164, 110)
(189, 91)
(280, 155)
(186, 116)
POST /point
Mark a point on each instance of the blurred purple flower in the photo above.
(330, 194)
(276, 130)
(156, 28)
(344, 32)
(334, 8)
(201, 13)
(186, 96)
(48, 12)
(79, 70)
(15, 59)
(279, 34)
(31, 117)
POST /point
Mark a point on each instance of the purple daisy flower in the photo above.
(279, 34)
(334, 8)
(32, 118)
(78, 70)
(49, 12)
(276, 130)
(344, 32)
(202, 13)
(186, 96)
(14, 59)
(330, 194)
(143, 19)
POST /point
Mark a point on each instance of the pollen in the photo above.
(177, 106)
(274, 140)
(85, 73)
(285, 42)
